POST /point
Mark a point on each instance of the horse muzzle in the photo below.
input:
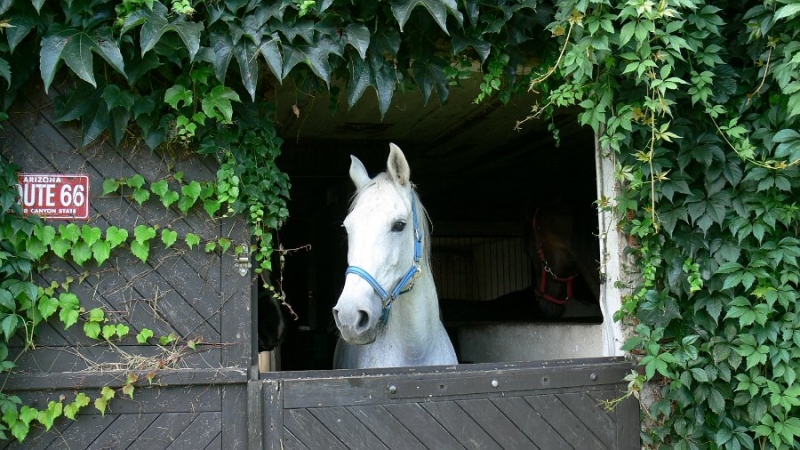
(357, 326)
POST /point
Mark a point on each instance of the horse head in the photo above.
(384, 240)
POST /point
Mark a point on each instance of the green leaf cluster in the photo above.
(697, 102)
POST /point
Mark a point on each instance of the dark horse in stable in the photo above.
(563, 251)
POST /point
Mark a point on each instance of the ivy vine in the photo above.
(696, 101)
(699, 103)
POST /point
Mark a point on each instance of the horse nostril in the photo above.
(363, 319)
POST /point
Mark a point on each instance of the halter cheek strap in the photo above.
(541, 291)
(407, 282)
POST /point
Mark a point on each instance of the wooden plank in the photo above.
(386, 427)
(564, 422)
(443, 382)
(62, 154)
(425, 428)
(308, 430)
(497, 381)
(102, 358)
(460, 425)
(531, 423)
(123, 431)
(592, 415)
(234, 410)
(272, 413)
(237, 311)
(628, 425)
(505, 432)
(292, 443)
(19, 382)
(85, 431)
(339, 421)
(202, 431)
(255, 414)
(163, 431)
(216, 444)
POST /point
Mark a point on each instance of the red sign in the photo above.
(54, 196)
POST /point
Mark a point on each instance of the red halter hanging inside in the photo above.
(541, 290)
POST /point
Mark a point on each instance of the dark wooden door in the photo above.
(196, 397)
(550, 405)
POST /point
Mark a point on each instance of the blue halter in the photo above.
(407, 282)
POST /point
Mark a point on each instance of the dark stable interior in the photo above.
(489, 184)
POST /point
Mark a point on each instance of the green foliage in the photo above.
(699, 104)
(697, 101)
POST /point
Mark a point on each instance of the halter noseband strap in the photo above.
(407, 282)
(541, 291)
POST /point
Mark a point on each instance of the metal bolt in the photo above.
(593, 376)
(392, 389)
(495, 383)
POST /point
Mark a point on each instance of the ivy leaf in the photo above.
(462, 41)
(211, 207)
(384, 78)
(23, 25)
(101, 251)
(270, 50)
(314, 56)
(110, 185)
(7, 300)
(144, 335)
(144, 233)
(81, 400)
(141, 250)
(81, 252)
(439, 9)
(219, 100)
(154, 25)
(789, 144)
(5, 70)
(122, 330)
(60, 246)
(716, 402)
(100, 404)
(357, 36)
(9, 325)
(360, 77)
(220, 57)
(92, 330)
(75, 47)
(47, 306)
(114, 97)
(177, 94)
(192, 240)
(116, 236)
(246, 54)
(47, 416)
(429, 75)
(19, 430)
(168, 237)
(90, 235)
(787, 11)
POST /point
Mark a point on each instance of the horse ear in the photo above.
(398, 166)
(358, 173)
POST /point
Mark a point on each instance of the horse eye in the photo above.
(399, 226)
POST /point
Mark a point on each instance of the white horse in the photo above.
(388, 247)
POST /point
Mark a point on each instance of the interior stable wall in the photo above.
(493, 197)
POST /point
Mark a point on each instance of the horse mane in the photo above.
(384, 180)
